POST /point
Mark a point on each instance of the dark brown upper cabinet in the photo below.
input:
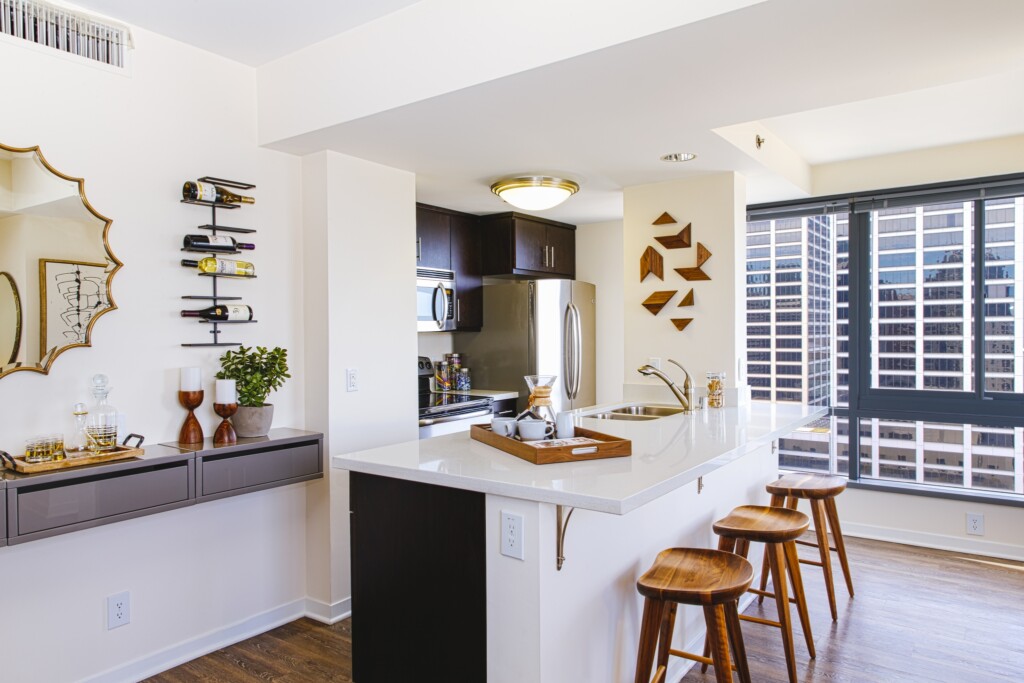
(516, 244)
(433, 237)
(450, 240)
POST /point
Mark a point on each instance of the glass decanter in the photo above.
(101, 422)
(77, 443)
(541, 387)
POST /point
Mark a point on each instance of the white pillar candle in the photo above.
(225, 392)
(191, 379)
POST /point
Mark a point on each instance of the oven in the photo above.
(435, 300)
(447, 412)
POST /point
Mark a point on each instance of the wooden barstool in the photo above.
(821, 490)
(778, 528)
(712, 579)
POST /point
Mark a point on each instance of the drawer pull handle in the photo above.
(131, 436)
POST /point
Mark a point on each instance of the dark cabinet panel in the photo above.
(433, 237)
(255, 468)
(465, 251)
(505, 408)
(516, 244)
(419, 584)
(3, 517)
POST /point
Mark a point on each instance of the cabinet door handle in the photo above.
(552, 257)
(458, 310)
(419, 247)
(545, 256)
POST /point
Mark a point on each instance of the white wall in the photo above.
(599, 248)
(715, 205)
(237, 563)
(360, 266)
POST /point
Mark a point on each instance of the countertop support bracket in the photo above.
(561, 525)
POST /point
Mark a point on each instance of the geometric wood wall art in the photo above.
(697, 273)
(687, 300)
(681, 323)
(655, 302)
(652, 262)
(664, 219)
(681, 240)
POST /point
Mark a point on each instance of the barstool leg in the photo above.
(821, 530)
(739, 653)
(668, 625)
(727, 544)
(837, 534)
(777, 564)
(650, 629)
(776, 502)
(718, 637)
(793, 565)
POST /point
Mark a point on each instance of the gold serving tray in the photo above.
(119, 453)
(604, 446)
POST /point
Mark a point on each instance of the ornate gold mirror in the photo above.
(55, 262)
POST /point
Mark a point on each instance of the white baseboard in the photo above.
(165, 659)
(936, 541)
(328, 613)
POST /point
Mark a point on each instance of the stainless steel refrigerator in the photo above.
(536, 327)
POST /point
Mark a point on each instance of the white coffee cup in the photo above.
(535, 430)
(564, 427)
(504, 426)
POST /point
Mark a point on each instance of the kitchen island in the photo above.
(434, 597)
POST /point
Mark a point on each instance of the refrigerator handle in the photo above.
(577, 350)
(568, 348)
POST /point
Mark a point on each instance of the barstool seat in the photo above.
(713, 579)
(820, 490)
(778, 528)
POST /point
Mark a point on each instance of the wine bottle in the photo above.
(215, 243)
(221, 313)
(222, 266)
(208, 192)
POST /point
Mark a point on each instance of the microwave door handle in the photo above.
(440, 319)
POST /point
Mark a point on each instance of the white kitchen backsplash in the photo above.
(435, 344)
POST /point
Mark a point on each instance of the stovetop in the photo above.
(436, 404)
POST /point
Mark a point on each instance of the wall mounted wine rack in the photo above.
(214, 228)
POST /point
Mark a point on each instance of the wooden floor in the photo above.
(919, 615)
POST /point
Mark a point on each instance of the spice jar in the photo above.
(716, 389)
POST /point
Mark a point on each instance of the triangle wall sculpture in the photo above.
(681, 323)
(697, 273)
(655, 302)
(687, 299)
(680, 240)
(652, 262)
(664, 219)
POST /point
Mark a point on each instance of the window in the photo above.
(928, 330)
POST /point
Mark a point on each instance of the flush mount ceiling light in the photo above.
(679, 156)
(535, 192)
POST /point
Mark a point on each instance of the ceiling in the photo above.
(247, 31)
(833, 81)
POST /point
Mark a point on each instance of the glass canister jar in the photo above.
(101, 422)
(716, 389)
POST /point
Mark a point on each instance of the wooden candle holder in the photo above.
(191, 432)
(225, 434)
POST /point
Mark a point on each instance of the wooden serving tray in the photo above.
(606, 447)
(119, 453)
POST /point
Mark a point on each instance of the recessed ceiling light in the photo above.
(679, 156)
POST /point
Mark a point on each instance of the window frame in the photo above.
(977, 406)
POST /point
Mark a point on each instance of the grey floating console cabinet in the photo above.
(166, 477)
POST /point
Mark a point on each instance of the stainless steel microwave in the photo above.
(435, 300)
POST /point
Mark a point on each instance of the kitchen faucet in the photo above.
(685, 397)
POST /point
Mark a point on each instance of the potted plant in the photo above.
(256, 374)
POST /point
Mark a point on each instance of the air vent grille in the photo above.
(65, 30)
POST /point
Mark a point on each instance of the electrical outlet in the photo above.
(512, 535)
(654, 363)
(975, 524)
(351, 379)
(119, 610)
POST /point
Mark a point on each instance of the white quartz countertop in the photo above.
(667, 453)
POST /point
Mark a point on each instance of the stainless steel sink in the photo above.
(637, 411)
(648, 410)
(615, 415)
